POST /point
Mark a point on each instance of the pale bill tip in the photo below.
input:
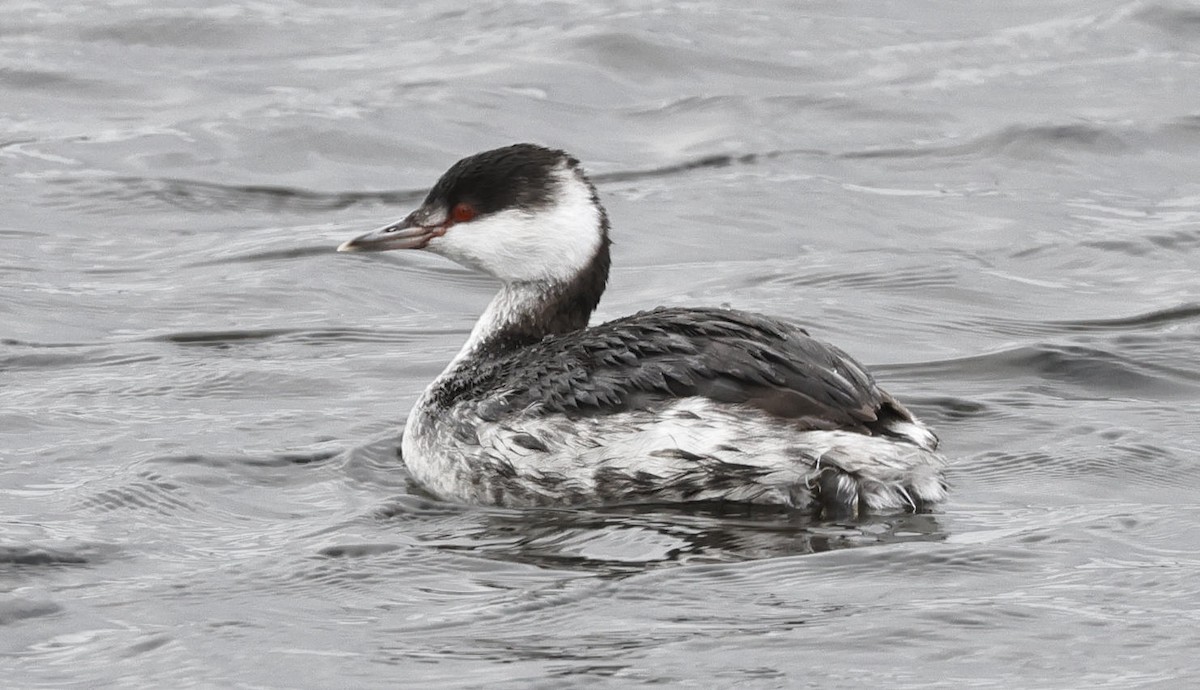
(347, 246)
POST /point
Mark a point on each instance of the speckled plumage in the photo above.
(666, 405)
(639, 361)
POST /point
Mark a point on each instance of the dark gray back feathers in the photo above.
(645, 360)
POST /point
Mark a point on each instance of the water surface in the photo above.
(996, 207)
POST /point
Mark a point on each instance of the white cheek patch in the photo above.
(552, 244)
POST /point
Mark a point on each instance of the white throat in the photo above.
(513, 302)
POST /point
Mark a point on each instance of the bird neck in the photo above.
(523, 313)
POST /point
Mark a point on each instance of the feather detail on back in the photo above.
(640, 361)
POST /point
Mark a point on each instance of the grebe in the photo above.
(664, 406)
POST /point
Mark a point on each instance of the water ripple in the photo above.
(1173, 18)
(150, 491)
(17, 609)
(1040, 141)
(1100, 368)
(1025, 141)
(199, 196)
(1151, 319)
(59, 555)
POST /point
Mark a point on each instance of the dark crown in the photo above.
(517, 176)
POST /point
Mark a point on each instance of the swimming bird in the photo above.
(665, 406)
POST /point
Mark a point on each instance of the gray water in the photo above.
(995, 205)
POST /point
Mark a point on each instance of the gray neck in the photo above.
(524, 313)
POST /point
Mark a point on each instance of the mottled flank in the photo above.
(667, 405)
(687, 449)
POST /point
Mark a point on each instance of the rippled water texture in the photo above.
(997, 206)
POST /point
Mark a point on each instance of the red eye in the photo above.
(462, 212)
